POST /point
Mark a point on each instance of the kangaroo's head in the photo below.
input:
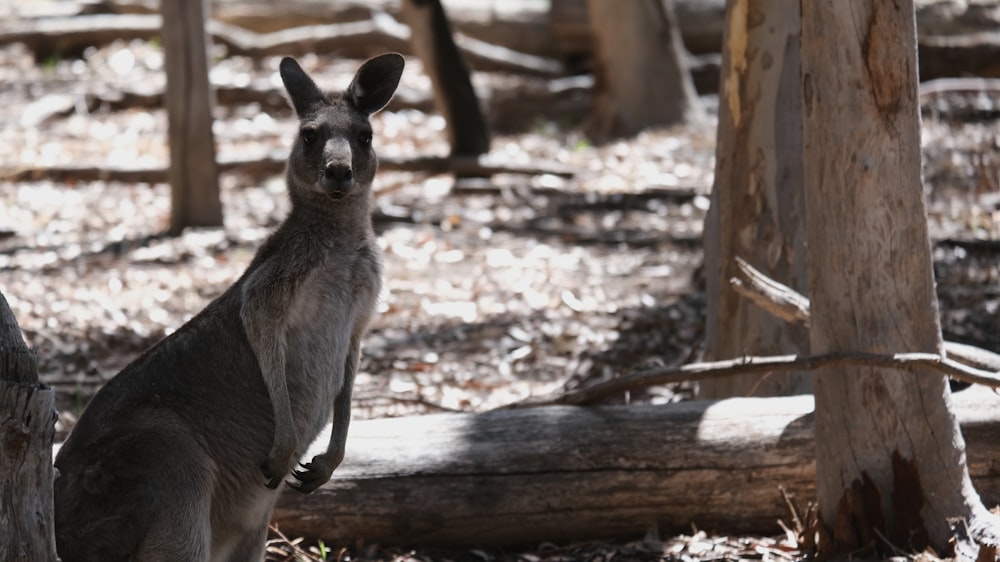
(332, 157)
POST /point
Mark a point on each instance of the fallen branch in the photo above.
(911, 362)
(966, 84)
(266, 166)
(360, 39)
(961, 362)
(789, 305)
(70, 35)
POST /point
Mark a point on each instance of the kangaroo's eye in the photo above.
(365, 139)
(308, 136)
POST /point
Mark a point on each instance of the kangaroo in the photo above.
(179, 456)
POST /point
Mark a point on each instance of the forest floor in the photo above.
(494, 291)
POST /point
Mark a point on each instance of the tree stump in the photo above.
(27, 428)
(641, 71)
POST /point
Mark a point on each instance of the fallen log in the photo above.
(560, 473)
(271, 165)
(69, 36)
(512, 108)
(955, 38)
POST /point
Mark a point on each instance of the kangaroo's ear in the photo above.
(375, 82)
(303, 91)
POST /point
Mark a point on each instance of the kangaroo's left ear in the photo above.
(375, 82)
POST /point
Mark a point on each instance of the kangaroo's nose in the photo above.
(339, 173)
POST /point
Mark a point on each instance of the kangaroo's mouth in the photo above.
(335, 189)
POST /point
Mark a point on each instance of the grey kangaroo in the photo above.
(179, 456)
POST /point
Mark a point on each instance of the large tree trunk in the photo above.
(27, 427)
(565, 473)
(431, 40)
(193, 174)
(890, 458)
(757, 212)
(641, 71)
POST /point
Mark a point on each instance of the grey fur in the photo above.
(179, 456)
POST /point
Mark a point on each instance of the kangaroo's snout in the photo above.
(338, 173)
(338, 179)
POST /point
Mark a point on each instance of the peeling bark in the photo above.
(756, 213)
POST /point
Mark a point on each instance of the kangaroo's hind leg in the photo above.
(179, 501)
(250, 547)
(143, 495)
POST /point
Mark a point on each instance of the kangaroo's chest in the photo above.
(327, 318)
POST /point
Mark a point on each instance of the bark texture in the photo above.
(27, 428)
(511, 478)
(757, 211)
(890, 457)
(193, 174)
(641, 72)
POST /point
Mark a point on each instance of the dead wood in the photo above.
(778, 299)
(69, 36)
(360, 39)
(786, 303)
(940, 86)
(508, 109)
(952, 41)
(265, 166)
(564, 473)
(916, 363)
(961, 362)
(27, 428)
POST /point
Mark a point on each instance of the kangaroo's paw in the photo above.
(314, 474)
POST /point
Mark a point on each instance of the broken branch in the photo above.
(789, 305)
(911, 362)
(273, 165)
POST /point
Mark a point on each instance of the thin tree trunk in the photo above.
(640, 67)
(193, 174)
(431, 39)
(27, 428)
(890, 457)
(756, 212)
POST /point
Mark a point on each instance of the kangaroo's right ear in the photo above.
(303, 91)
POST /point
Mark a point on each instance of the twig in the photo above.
(419, 401)
(793, 510)
(297, 551)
